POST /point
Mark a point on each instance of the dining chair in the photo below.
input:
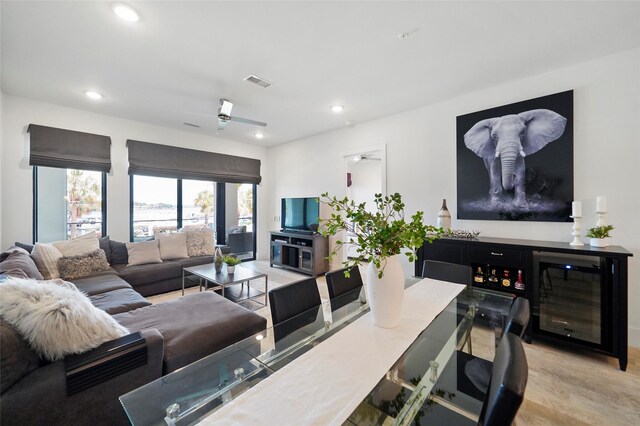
(455, 273)
(338, 285)
(292, 299)
(507, 385)
(444, 271)
(518, 317)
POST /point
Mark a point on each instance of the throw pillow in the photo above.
(144, 252)
(27, 247)
(84, 265)
(81, 245)
(5, 254)
(55, 320)
(46, 258)
(19, 263)
(105, 244)
(119, 254)
(200, 243)
(173, 246)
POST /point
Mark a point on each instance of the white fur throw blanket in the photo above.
(57, 320)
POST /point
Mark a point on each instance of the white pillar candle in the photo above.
(576, 209)
(601, 204)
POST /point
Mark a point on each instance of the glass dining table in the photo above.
(435, 377)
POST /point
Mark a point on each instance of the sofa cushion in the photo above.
(56, 320)
(105, 244)
(173, 246)
(46, 258)
(144, 252)
(194, 326)
(96, 284)
(27, 247)
(117, 301)
(119, 253)
(17, 359)
(84, 244)
(83, 265)
(18, 261)
(149, 273)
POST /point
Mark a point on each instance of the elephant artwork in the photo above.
(504, 142)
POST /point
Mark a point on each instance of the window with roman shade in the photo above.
(152, 159)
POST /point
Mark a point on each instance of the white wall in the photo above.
(16, 175)
(421, 156)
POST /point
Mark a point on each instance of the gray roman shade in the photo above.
(68, 149)
(152, 159)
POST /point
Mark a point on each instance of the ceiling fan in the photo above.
(224, 116)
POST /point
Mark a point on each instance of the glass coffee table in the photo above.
(222, 281)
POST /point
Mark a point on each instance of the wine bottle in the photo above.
(493, 278)
(506, 281)
(479, 276)
(519, 285)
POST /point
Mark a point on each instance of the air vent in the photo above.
(191, 125)
(257, 80)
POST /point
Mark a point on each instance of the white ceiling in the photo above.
(183, 56)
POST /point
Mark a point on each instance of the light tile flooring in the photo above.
(565, 387)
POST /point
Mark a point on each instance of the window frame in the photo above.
(103, 195)
(220, 215)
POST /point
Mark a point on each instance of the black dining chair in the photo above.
(288, 302)
(518, 317)
(338, 285)
(507, 385)
(455, 273)
(444, 271)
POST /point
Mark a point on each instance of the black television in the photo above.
(300, 214)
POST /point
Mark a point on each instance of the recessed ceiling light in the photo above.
(126, 13)
(259, 135)
(93, 95)
(337, 108)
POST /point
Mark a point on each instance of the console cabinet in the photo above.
(299, 252)
(578, 295)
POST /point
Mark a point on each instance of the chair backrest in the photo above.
(444, 271)
(518, 317)
(507, 384)
(338, 284)
(293, 299)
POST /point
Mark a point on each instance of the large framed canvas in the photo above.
(515, 162)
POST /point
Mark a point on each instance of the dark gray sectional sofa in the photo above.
(175, 333)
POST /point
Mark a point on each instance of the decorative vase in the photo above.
(598, 242)
(385, 294)
(217, 261)
(444, 217)
(231, 269)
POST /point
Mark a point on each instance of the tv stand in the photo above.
(300, 252)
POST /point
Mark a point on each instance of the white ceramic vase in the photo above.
(385, 294)
(444, 217)
(231, 269)
(598, 242)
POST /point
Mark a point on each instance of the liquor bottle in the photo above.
(479, 276)
(519, 285)
(506, 281)
(493, 278)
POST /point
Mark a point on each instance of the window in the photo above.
(167, 204)
(69, 203)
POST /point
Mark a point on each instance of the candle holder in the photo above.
(601, 216)
(577, 225)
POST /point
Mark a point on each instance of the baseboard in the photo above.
(634, 337)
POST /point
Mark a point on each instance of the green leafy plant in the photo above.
(600, 231)
(379, 234)
(231, 260)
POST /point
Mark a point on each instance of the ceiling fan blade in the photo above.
(221, 124)
(225, 108)
(247, 121)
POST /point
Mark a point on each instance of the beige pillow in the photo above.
(144, 252)
(78, 246)
(46, 258)
(172, 246)
(200, 243)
